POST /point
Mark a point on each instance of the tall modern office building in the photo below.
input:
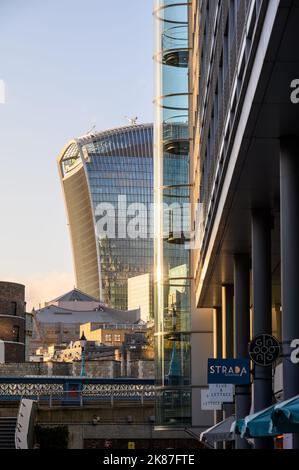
(244, 131)
(104, 175)
(227, 140)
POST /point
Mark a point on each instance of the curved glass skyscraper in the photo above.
(106, 174)
(172, 219)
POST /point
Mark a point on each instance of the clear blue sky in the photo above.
(67, 65)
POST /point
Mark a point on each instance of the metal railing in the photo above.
(75, 391)
(81, 398)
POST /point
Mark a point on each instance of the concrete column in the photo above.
(129, 364)
(217, 329)
(49, 368)
(227, 337)
(227, 321)
(289, 219)
(123, 363)
(262, 308)
(242, 333)
(242, 304)
(278, 319)
(217, 343)
(112, 376)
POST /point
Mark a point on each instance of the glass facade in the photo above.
(117, 163)
(172, 217)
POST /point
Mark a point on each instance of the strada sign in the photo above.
(229, 371)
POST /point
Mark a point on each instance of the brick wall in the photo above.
(12, 291)
(12, 320)
(146, 369)
(109, 369)
(102, 368)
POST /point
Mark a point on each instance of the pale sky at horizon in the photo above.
(67, 65)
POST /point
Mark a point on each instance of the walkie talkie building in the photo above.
(99, 170)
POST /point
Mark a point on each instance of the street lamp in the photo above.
(83, 344)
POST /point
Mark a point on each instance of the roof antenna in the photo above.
(132, 121)
(91, 131)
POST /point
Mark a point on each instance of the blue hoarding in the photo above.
(229, 371)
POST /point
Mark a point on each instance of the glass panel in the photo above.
(172, 218)
(117, 166)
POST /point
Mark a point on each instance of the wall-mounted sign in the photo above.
(229, 371)
(223, 393)
(206, 403)
(264, 350)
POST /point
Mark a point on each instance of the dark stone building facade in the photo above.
(12, 322)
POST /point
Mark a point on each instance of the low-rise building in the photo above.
(60, 320)
(110, 334)
(93, 351)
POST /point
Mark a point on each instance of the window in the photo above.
(108, 338)
(14, 308)
(16, 333)
(8, 308)
(220, 88)
(225, 53)
(116, 337)
(232, 19)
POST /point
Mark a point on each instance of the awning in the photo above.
(219, 432)
(255, 425)
(278, 419)
(285, 417)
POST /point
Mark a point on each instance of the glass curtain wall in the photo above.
(121, 164)
(172, 215)
(109, 176)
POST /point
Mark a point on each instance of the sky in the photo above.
(67, 65)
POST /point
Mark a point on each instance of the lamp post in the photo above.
(83, 344)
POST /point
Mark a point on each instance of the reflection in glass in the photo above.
(172, 217)
(98, 169)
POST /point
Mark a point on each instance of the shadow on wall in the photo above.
(51, 437)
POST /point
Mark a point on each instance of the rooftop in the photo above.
(92, 136)
(103, 314)
(74, 295)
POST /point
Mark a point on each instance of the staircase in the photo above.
(7, 433)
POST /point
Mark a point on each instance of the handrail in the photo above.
(76, 391)
(27, 407)
(80, 398)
